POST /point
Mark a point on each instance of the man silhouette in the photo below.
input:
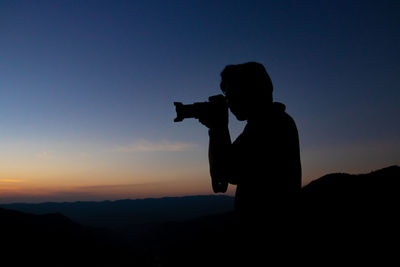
(264, 161)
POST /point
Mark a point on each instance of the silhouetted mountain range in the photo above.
(381, 181)
(354, 216)
(54, 240)
(339, 219)
(122, 213)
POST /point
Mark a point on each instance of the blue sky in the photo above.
(86, 87)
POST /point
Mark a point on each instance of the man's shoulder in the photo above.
(274, 121)
(281, 116)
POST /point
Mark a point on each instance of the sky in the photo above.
(87, 90)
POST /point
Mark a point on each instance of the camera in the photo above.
(215, 106)
(200, 109)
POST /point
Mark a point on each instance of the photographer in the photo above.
(264, 161)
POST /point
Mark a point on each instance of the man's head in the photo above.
(247, 87)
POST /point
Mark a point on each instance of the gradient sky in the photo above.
(87, 90)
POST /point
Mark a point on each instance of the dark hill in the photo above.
(353, 218)
(123, 213)
(55, 240)
(339, 219)
(363, 198)
(380, 182)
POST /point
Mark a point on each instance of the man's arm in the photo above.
(218, 157)
(219, 145)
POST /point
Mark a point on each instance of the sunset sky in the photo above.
(87, 90)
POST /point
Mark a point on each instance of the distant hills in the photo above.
(340, 218)
(53, 240)
(140, 231)
(122, 213)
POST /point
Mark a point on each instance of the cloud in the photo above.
(43, 155)
(143, 145)
(10, 181)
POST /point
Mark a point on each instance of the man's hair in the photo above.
(250, 76)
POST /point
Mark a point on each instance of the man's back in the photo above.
(266, 161)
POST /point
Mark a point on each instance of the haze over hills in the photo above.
(341, 218)
(121, 213)
(375, 186)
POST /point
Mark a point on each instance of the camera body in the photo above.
(199, 109)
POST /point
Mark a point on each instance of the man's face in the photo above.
(237, 101)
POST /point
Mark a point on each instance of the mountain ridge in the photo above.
(124, 212)
(333, 222)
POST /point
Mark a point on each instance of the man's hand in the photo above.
(217, 117)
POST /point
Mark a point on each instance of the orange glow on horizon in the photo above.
(35, 189)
